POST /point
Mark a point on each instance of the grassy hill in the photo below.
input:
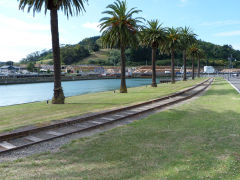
(89, 51)
(102, 54)
(45, 61)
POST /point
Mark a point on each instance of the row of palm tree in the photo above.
(195, 53)
(120, 30)
(187, 39)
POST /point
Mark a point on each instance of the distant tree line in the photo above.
(216, 55)
(73, 53)
(37, 56)
(69, 53)
(92, 43)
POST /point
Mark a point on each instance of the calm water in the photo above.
(25, 93)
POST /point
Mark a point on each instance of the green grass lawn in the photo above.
(198, 140)
(12, 117)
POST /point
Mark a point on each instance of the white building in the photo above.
(209, 69)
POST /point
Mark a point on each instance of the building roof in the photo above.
(9, 67)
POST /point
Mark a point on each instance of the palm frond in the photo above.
(120, 28)
(152, 34)
(69, 7)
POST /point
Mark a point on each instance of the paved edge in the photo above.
(233, 86)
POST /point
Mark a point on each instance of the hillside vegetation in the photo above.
(89, 51)
(96, 57)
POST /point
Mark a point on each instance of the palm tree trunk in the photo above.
(172, 66)
(123, 88)
(154, 52)
(58, 97)
(198, 68)
(184, 66)
(193, 70)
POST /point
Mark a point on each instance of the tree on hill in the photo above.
(73, 54)
(30, 66)
(120, 30)
(69, 7)
(142, 55)
(91, 43)
(114, 57)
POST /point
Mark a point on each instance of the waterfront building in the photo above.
(9, 69)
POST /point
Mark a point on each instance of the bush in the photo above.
(73, 54)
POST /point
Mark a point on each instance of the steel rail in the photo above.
(95, 120)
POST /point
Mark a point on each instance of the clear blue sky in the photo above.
(216, 21)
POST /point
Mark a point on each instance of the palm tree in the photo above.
(171, 44)
(193, 53)
(187, 39)
(151, 36)
(200, 55)
(69, 7)
(120, 30)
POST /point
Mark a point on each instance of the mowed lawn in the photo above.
(41, 113)
(198, 140)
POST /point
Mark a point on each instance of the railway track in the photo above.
(12, 141)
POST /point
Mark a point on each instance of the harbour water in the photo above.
(26, 93)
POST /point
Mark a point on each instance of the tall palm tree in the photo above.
(187, 39)
(200, 55)
(193, 53)
(120, 30)
(69, 7)
(171, 44)
(152, 35)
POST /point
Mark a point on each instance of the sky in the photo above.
(21, 33)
